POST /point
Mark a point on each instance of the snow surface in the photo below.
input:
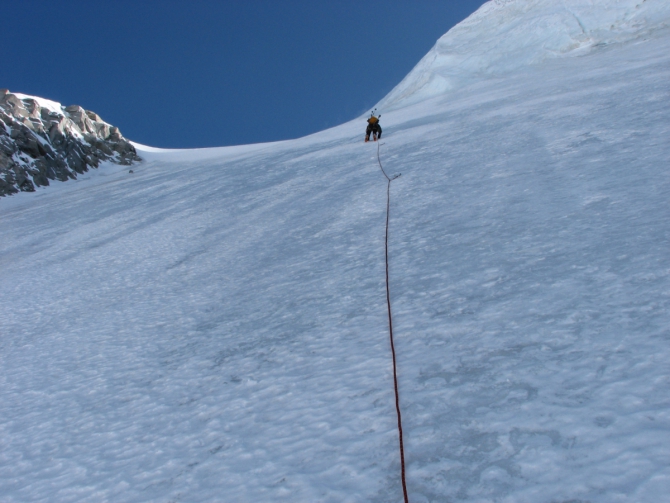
(213, 326)
(505, 35)
(50, 105)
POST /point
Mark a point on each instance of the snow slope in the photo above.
(213, 326)
(505, 35)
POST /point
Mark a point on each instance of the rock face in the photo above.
(40, 141)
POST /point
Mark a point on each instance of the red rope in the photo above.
(388, 303)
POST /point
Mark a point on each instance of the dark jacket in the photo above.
(373, 128)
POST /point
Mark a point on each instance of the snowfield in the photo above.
(212, 327)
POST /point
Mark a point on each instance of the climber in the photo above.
(373, 127)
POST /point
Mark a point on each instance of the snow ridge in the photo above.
(505, 35)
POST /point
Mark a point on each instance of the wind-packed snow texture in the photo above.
(213, 326)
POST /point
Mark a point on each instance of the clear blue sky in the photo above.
(201, 73)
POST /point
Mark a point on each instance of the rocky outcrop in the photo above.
(42, 141)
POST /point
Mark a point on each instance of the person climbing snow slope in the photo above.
(374, 128)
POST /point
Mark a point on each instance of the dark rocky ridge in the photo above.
(41, 143)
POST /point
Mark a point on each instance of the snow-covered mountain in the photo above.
(40, 140)
(213, 327)
(505, 35)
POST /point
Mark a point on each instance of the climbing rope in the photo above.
(388, 303)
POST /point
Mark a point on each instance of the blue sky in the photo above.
(200, 73)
